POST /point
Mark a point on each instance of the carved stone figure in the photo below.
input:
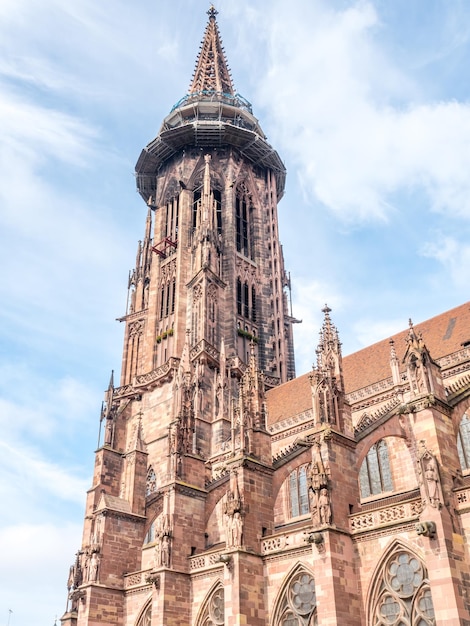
(84, 565)
(93, 567)
(324, 507)
(165, 551)
(108, 432)
(132, 301)
(429, 480)
(432, 480)
(96, 537)
(234, 530)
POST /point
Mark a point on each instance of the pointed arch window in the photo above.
(298, 603)
(162, 301)
(171, 221)
(375, 475)
(253, 304)
(218, 210)
(173, 295)
(213, 613)
(463, 442)
(243, 224)
(239, 296)
(403, 596)
(298, 492)
(246, 300)
(151, 482)
(146, 617)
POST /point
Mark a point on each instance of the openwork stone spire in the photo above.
(326, 378)
(329, 346)
(212, 73)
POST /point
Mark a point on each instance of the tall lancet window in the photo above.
(171, 218)
(298, 492)
(463, 442)
(243, 225)
(375, 474)
(253, 304)
(218, 210)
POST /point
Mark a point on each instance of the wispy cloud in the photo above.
(37, 475)
(369, 330)
(453, 256)
(36, 132)
(342, 110)
(45, 550)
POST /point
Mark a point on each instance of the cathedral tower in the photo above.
(210, 260)
(207, 330)
(226, 491)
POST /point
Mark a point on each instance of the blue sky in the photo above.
(366, 102)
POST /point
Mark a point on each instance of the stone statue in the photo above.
(93, 567)
(324, 507)
(165, 551)
(429, 480)
(235, 528)
(108, 431)
(432, 481)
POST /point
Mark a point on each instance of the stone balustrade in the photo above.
(385, 516)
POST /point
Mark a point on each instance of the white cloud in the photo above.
(352, 122)
(40, 405)
(368, 330)
(453, 255)
(31, 475)
(34, 569)
(34, 132)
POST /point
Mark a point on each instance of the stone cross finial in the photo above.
(212, 12)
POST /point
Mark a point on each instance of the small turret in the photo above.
(423, 373)
(326, 378)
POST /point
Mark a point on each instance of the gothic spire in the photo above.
(326, 378)
(212, 73)
(329, 346)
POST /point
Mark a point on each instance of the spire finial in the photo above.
(212, 12)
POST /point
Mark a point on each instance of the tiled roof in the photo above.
(288, 399)
(442, 335)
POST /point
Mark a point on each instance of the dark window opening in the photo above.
(253, 304)
(246, 305)
(196, 207)
(218, 210)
